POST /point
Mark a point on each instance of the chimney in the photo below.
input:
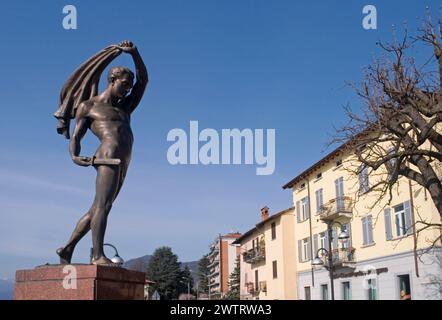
(264, 213)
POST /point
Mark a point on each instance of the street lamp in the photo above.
(343, 237)
(115, 259)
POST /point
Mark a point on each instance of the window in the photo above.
(319, 175)
(319, 200)
(305, 208)
(323, 240)
(367, 230)
(307, 293)
(245, 279)
(346, 227)
(399, 217)
(256, 281)
(273, 230)
(346, 290)
(302, 186)
(402, 218)
(324, 291)
(404, 287)
(339, 188)
(275, 269)
(372, 289)
(363, 179)
(338, 163)
(304, 250)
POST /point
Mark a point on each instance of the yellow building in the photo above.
(378, 261)
(267, 264)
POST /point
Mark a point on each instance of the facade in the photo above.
(379, 260)
(267, 258)
(222, 257)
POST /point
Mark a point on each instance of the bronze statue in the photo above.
(107, 115)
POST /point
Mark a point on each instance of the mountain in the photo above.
(6, 290)
(140, 264)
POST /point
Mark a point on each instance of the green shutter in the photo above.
(315, 245)
(408, 220)
(370, 229)
(364, 231)
(300, 250)
(309, 249)
(298, 211)
(387, 217)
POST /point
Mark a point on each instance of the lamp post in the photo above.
(116, 258)
(343, 236)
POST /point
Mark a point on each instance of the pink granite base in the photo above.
(91, 283)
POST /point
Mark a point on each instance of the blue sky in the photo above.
(227, 64)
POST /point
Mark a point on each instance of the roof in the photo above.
(260, 224)
(326, 159)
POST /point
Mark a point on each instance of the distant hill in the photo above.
(140, 264)
(6, 290)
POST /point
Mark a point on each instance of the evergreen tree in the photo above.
(203, 274)
(164, 270)
(234, 283)
(186, 281)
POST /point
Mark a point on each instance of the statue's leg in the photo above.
(106, 188)
(82, 227)
(123, 170)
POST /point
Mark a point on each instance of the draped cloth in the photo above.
(82, 85)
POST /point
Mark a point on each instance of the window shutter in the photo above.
(317, 200)
(335, 239)
(307, 214)
(298, 211)
(364, 231)
(337, 188)
(326, 240)
(315, 245)
(408, 221)
(299, 250)
(348, 229)
(309, 249)
(387, 217)
(369, 229)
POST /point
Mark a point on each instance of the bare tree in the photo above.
(399, 132)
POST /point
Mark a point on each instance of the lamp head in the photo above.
(117, 260)
(317, 261)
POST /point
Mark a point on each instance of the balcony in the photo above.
(213, 263)
(255, 255)
(342, 257)
(335, 208)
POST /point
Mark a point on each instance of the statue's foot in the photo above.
(65, 255)
(103, 260)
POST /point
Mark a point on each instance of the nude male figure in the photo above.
(107, 115)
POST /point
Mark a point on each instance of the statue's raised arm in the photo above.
(134, 98)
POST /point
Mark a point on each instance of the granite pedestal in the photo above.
(79, 282)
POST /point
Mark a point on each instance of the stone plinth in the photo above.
(79, 282)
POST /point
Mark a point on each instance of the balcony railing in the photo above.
(255, 255)
(342, 257)
(336, 208)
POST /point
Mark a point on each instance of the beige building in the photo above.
(378, 261)
(222, 257)
(267, 258)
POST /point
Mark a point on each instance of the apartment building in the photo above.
(267, 258)
(378, 260)
(222, 257)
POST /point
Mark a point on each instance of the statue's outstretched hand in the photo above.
(127, 46)
(82, 161)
